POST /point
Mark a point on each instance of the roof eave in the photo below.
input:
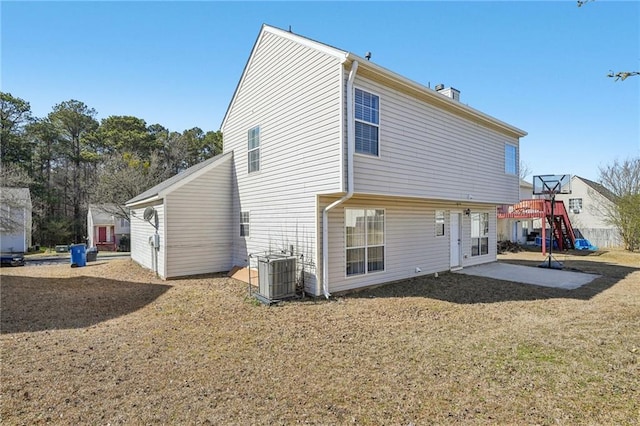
(436, 97)
(131, 204)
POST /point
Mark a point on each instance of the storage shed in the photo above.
(181, 226)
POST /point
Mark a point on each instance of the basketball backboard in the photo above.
(551, 184)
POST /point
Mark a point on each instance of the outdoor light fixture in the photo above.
(467, 212)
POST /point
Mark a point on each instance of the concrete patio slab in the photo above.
(555, 278)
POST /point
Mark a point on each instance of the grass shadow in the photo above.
(39, 304)
(467, 289)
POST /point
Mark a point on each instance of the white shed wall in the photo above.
(199, 232)
(141, 231)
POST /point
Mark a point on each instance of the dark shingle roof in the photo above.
(599, 188)
(151, 192)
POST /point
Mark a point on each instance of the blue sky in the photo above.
(540, 66)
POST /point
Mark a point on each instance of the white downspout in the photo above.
(349, 194)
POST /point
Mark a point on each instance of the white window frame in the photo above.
(440, 223)
(245, 226)
(366, 245)
(366, 122)
(510, 159)
(572, 205)
(253, 135)
(483, 234)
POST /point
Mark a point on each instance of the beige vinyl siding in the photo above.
(293, 93)
(431, 153)
(198, 232)
(410, 240)
(141, 231)
(591, 221)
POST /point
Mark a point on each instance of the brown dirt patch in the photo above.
(109, 343)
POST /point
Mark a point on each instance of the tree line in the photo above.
(69, 159)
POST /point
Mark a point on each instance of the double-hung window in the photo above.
(479, 234)
(367, 122)
(510, 159)
(253, 149)
(244, 224)
(364, 229)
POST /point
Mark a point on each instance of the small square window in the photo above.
(575, 205)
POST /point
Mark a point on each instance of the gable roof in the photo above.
(164, 187)
(101, 213)
(16, 195)
(599, 188)
(525, 184)
(372, 70)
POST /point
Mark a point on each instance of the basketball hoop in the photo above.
(549, 186)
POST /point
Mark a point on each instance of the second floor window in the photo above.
(253, 149)
(510, 159)
(367, 122)
(575, 204)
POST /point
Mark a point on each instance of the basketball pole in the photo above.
(553, 221)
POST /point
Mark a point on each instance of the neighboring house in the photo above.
(518, 230)
(104, 229)
(587, 205)
(366, 175)
(15, 222)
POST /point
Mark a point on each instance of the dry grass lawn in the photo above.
(111, 344)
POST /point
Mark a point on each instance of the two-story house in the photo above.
(366, 175)
(588, 205)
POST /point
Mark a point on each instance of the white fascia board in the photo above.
(141, 202)
(455, 105)
(341, 55)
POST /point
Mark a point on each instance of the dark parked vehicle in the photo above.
(12, 259)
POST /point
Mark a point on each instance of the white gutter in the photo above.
(349, 194)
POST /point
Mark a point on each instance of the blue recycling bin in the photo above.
(78, 255)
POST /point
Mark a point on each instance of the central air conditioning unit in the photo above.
(277, 276)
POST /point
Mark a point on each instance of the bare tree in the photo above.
(622, 178)
(620, 75)
(524, 169)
